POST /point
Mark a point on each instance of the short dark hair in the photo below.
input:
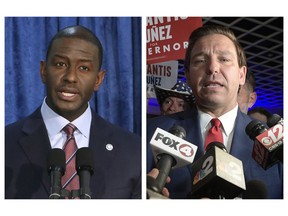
(260, 110)
(250, 79)
(209, 30)
(80, 32)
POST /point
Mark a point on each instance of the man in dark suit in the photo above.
(71, 73)
(215, 66)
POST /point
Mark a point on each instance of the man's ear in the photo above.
(252, 99)
(242, 75)
(99, 80)
(43, 71)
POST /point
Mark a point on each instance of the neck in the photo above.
(215, 111)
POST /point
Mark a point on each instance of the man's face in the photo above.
(214, 74)
(172, 105)
(71, 76)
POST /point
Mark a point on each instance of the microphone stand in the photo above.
(62, 194)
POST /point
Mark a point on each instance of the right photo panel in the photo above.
(214, 88)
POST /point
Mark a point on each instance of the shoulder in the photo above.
(243, 118)
(112, 130)
(26, 124)
(167, 121)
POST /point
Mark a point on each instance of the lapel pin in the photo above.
(109, 147)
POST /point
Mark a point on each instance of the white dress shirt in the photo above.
(228, 123)
(55, 123)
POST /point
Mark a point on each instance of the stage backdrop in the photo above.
(119, 98)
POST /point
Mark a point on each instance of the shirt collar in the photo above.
(227, 120)
(55, 123)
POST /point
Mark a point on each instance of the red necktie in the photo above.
(70, 180)
(214, 134)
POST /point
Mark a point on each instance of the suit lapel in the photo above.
(103, 152)
(99, 140)
(241, 143)
(36, 146)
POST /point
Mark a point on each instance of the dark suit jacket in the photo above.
(241, 148)
(117, 173)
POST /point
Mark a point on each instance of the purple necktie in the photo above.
(70, 180)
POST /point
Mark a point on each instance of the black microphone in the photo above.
(272, 121)
(217, 174)
(268, 142)
(84, 167)
(170, 151)
(56, 168)
(255, 189)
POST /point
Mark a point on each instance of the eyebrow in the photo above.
(201, 53)
(65, 57)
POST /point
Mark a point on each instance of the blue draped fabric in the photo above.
(119, 98)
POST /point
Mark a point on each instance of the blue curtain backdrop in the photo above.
(119, 98)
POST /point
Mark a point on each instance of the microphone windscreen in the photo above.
(254, 128)
(84, 160)
(56, 160)
(273, 120)
(178, 131)
(255, 189)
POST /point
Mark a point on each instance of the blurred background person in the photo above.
(259, 113)
(247, 95)
(177, 99)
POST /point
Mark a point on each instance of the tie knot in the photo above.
(216, 122)
(69, 129)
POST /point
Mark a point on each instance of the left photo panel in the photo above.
(73, 108)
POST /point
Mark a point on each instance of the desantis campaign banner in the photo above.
(167, 37)
(162, 74)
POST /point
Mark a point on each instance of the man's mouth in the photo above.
(67, 94)
(213, 85)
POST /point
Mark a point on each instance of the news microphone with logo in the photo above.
(170, 151)
(268, 142)
(272, 121)
(85, 169)
(217, 175)
(56, 168)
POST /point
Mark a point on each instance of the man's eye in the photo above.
(224, 59)
(84, 68)
(167, 101)
(199, 61)
(60, 64)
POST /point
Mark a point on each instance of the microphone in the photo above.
(217, 174)
(56, 169)
(272, 121)
(170, 151)
(84, 167)
(255, 189)
(268, 142)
